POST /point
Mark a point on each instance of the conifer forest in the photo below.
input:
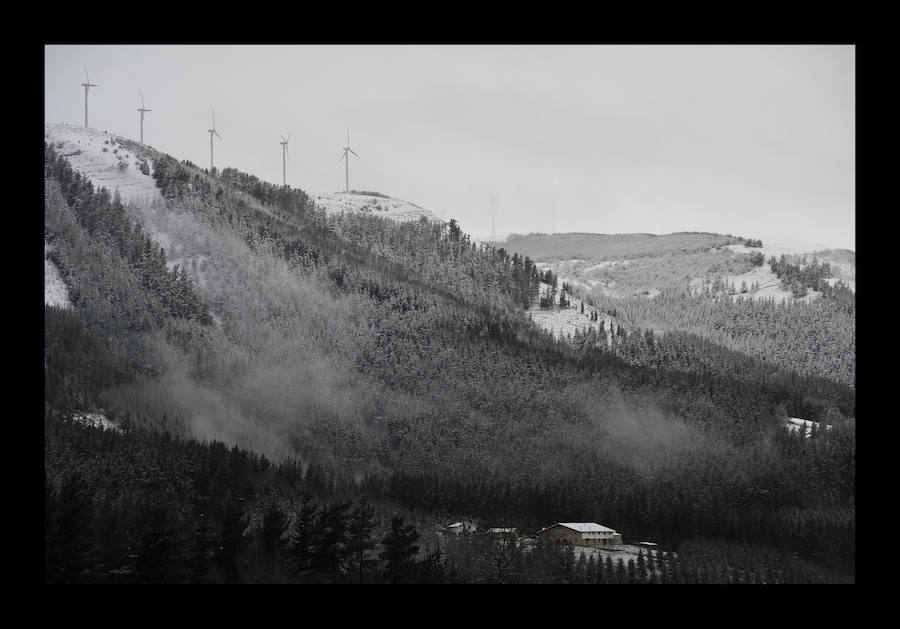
(300, 396)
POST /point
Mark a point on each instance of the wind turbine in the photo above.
(347, 150)
(211, 133)
(284, 156)
(142, 109)
(88, 85)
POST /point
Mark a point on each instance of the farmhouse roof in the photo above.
(581, 527)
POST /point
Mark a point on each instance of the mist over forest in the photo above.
(306, 396)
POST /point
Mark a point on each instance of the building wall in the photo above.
(565, 535)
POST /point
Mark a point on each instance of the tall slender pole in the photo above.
(493, 219)
(210, 152)
(347, 173)
(284, 164)
(142, 125)
(85, 106)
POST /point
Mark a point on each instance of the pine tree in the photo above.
(68, 517)
(641, 567)
(160, 552)
(227, 555)
(399, 549)
(581, 569)
(302, 537)
(359, 538)
(202, 551)
(632, 572)
(329, 539)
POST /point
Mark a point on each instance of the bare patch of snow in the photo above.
(394, 209)
(778, 249)
(768, 286)
(795, 424)
(55, 291)
(96, 420)
(563, 322)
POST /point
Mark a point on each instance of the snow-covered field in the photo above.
(625, 552)
(55, 291)
(779, 249)
(84, 148)
(96, 420)
(395, 209)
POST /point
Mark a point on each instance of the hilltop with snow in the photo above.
(105, 161)
(375, 204)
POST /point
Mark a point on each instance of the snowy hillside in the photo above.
(375, 205)
(563, 322)
(55, 292)
(105, 161)
(842, 262)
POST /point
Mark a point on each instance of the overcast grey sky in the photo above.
(755, 141)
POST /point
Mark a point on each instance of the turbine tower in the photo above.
(284, 156)
(493, 217)
(142, 109)
(211, 133)
(87, 85)
(345, 156)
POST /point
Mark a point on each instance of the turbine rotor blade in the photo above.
(143, 105)
(354, 152)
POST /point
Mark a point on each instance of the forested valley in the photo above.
(305, 397)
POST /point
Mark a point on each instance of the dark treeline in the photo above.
(143, 507)
(430, 364)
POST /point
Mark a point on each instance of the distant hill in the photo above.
(374, 204)
(626, 265)
(550, 247)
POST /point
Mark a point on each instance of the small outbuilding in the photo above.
(462, 527)
(503, 531)
(580, 534)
